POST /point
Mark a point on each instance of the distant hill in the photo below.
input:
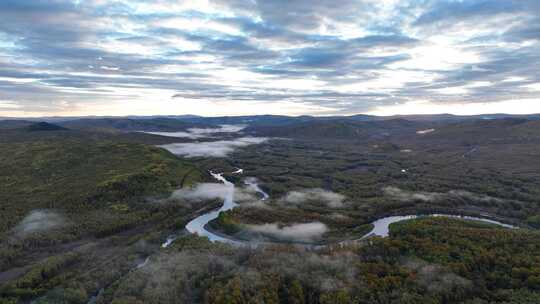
(14, 124)
(129, 124)
(259, 120)
(173, 122)
(447, 126)
(477, 132)
(342, 128)
(44, 126)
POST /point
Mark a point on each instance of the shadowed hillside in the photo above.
(128, 124)
(73, 185)
(44, 126)
(342, 129)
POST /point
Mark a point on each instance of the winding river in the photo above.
(380, 226)
(197, 225)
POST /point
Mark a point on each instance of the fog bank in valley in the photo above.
(209, 191)
(220, 148)
(39, 221)
(329, 198)
(405, 195)
(303, 232)
(195, 133)
(221, 129)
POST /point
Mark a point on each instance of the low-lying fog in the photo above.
(405, 195)
(306, 232)
(209, 191)
(300, 232)
(329, 198)
(195, 133)
(219, 148)
(39, 221)
(247, 196)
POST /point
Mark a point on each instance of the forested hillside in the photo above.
(60, 187)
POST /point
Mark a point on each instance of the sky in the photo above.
(291, 57)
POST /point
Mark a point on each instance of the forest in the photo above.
(424, 261)
(86, 213)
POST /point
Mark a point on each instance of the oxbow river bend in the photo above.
(380, 226)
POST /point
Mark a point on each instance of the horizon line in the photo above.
(254, 115)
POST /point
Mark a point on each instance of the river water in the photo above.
(197, 225)
(380, 226)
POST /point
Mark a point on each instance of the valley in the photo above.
(199, 212)
(270, 152)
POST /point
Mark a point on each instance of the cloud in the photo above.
(452, 11)
(180, 134)
(404, 195)
(305, 232)
(220, 148)
(171, 272)
(303, 16)
(221, 129)
(203, 191)
(210, 191)
(230, 57)
(195, 133)
(39, 221)
(328, 198)
(435, 277)
(473, 196)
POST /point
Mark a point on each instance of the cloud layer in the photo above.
(39, 221)
(305, 232)
(220, 148)
(229, 57)
(195, 133)
(405, 195)
(317, 195)
(209, 191)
